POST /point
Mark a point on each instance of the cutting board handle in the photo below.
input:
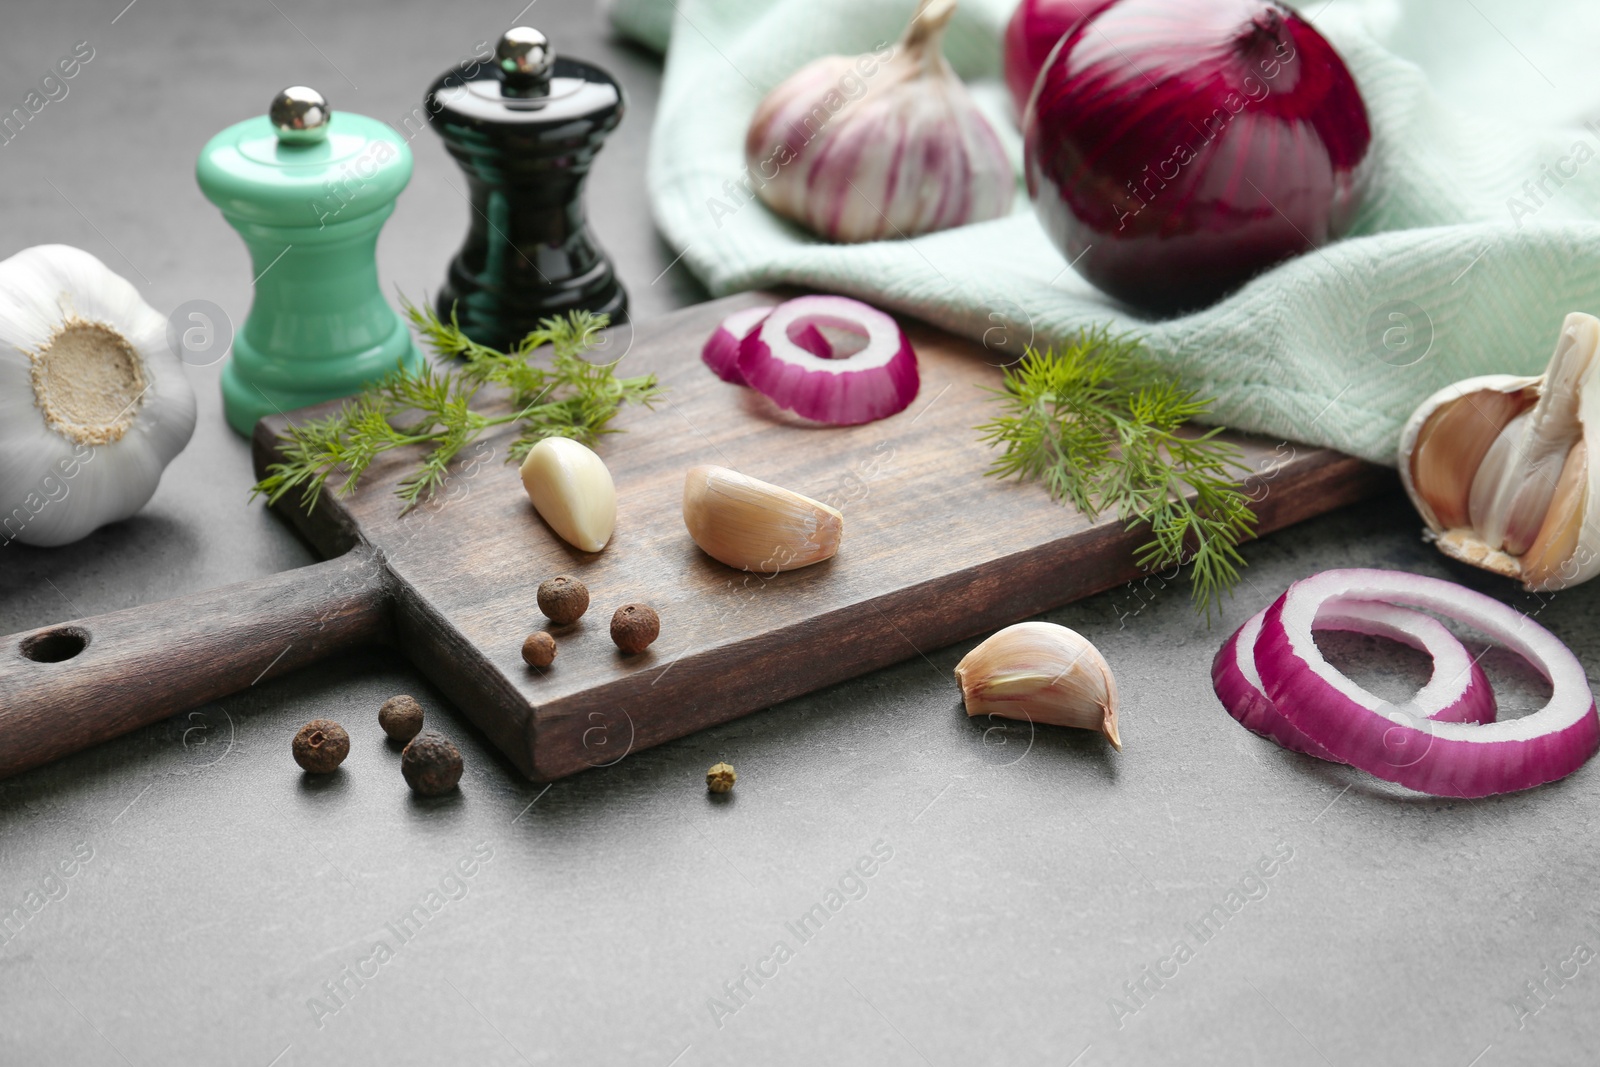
(68, 686)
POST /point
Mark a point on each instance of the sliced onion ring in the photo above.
(874, 383)
(1458, 689)
(1394, 742)
(721, 351)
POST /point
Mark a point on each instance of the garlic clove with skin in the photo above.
(1503, 469)
(753, 525)
(93, 402)
(1041, 672)
(888, 144)
(572, 490)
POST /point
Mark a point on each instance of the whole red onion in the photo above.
(1034, 29)
(1175, 148)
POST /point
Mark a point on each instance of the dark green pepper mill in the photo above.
(526, 129)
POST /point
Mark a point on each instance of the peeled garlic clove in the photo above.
(1502, 468)
(1041, 672)
(571, 489)
(756, 526)
(883, 145)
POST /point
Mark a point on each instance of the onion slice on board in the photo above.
(1457, 691)
(721, 351)
(873, 383)
(1395, 743)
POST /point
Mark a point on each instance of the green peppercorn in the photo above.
(720, 778)
(321, 745)
(431, 764)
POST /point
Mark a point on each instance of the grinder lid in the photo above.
(304, 164)
(564, 102)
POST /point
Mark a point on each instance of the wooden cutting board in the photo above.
(933, 553)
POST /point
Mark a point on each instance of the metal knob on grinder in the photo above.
(526, 129)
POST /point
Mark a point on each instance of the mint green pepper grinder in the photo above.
(308, 189)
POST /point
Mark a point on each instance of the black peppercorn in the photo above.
(563, 599)
(634, 626)
(431, 764)
(401, 718)
(321, 745)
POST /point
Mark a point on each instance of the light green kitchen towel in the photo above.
(1481, 230)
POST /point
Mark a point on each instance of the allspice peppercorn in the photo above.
(563, 599)
(321, 745)
(431, 764)
(634, 626)
(539, 650)
(720, 778)
(401, 718)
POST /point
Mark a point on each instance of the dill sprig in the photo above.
(566, 396)
(1101, 431)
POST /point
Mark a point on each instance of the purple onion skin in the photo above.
(1032, 33)
(1177, 148)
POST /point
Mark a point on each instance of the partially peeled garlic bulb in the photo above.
(753, 525)
(1041, 672)
(1502, 468)
(881, 145)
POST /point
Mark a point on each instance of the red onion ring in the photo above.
(874, 383)
(721, 351)
(1458, 688)
(1393, 742)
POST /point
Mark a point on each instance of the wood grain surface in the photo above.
(933, 552)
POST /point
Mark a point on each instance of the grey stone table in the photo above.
(889, 884)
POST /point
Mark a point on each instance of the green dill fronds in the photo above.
(1101, 431)
(565, 396)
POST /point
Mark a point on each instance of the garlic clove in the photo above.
(1521, 448)
(883, 145)
(1558, 536)
(756, 526)
(1041, 672)
(1455, 441)
(1452, 441)
(571, 489)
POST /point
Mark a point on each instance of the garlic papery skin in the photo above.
(572, 490)
(753, 525)
(1503, 469)
(888, 144)
(1041, 672)
(93, 403)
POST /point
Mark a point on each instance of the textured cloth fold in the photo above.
(1479, 233)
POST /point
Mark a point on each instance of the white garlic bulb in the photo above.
(93, 404)
(1041, 672)
(1503, 469)
(886, 144)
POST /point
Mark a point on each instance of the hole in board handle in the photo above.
(55, 646)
